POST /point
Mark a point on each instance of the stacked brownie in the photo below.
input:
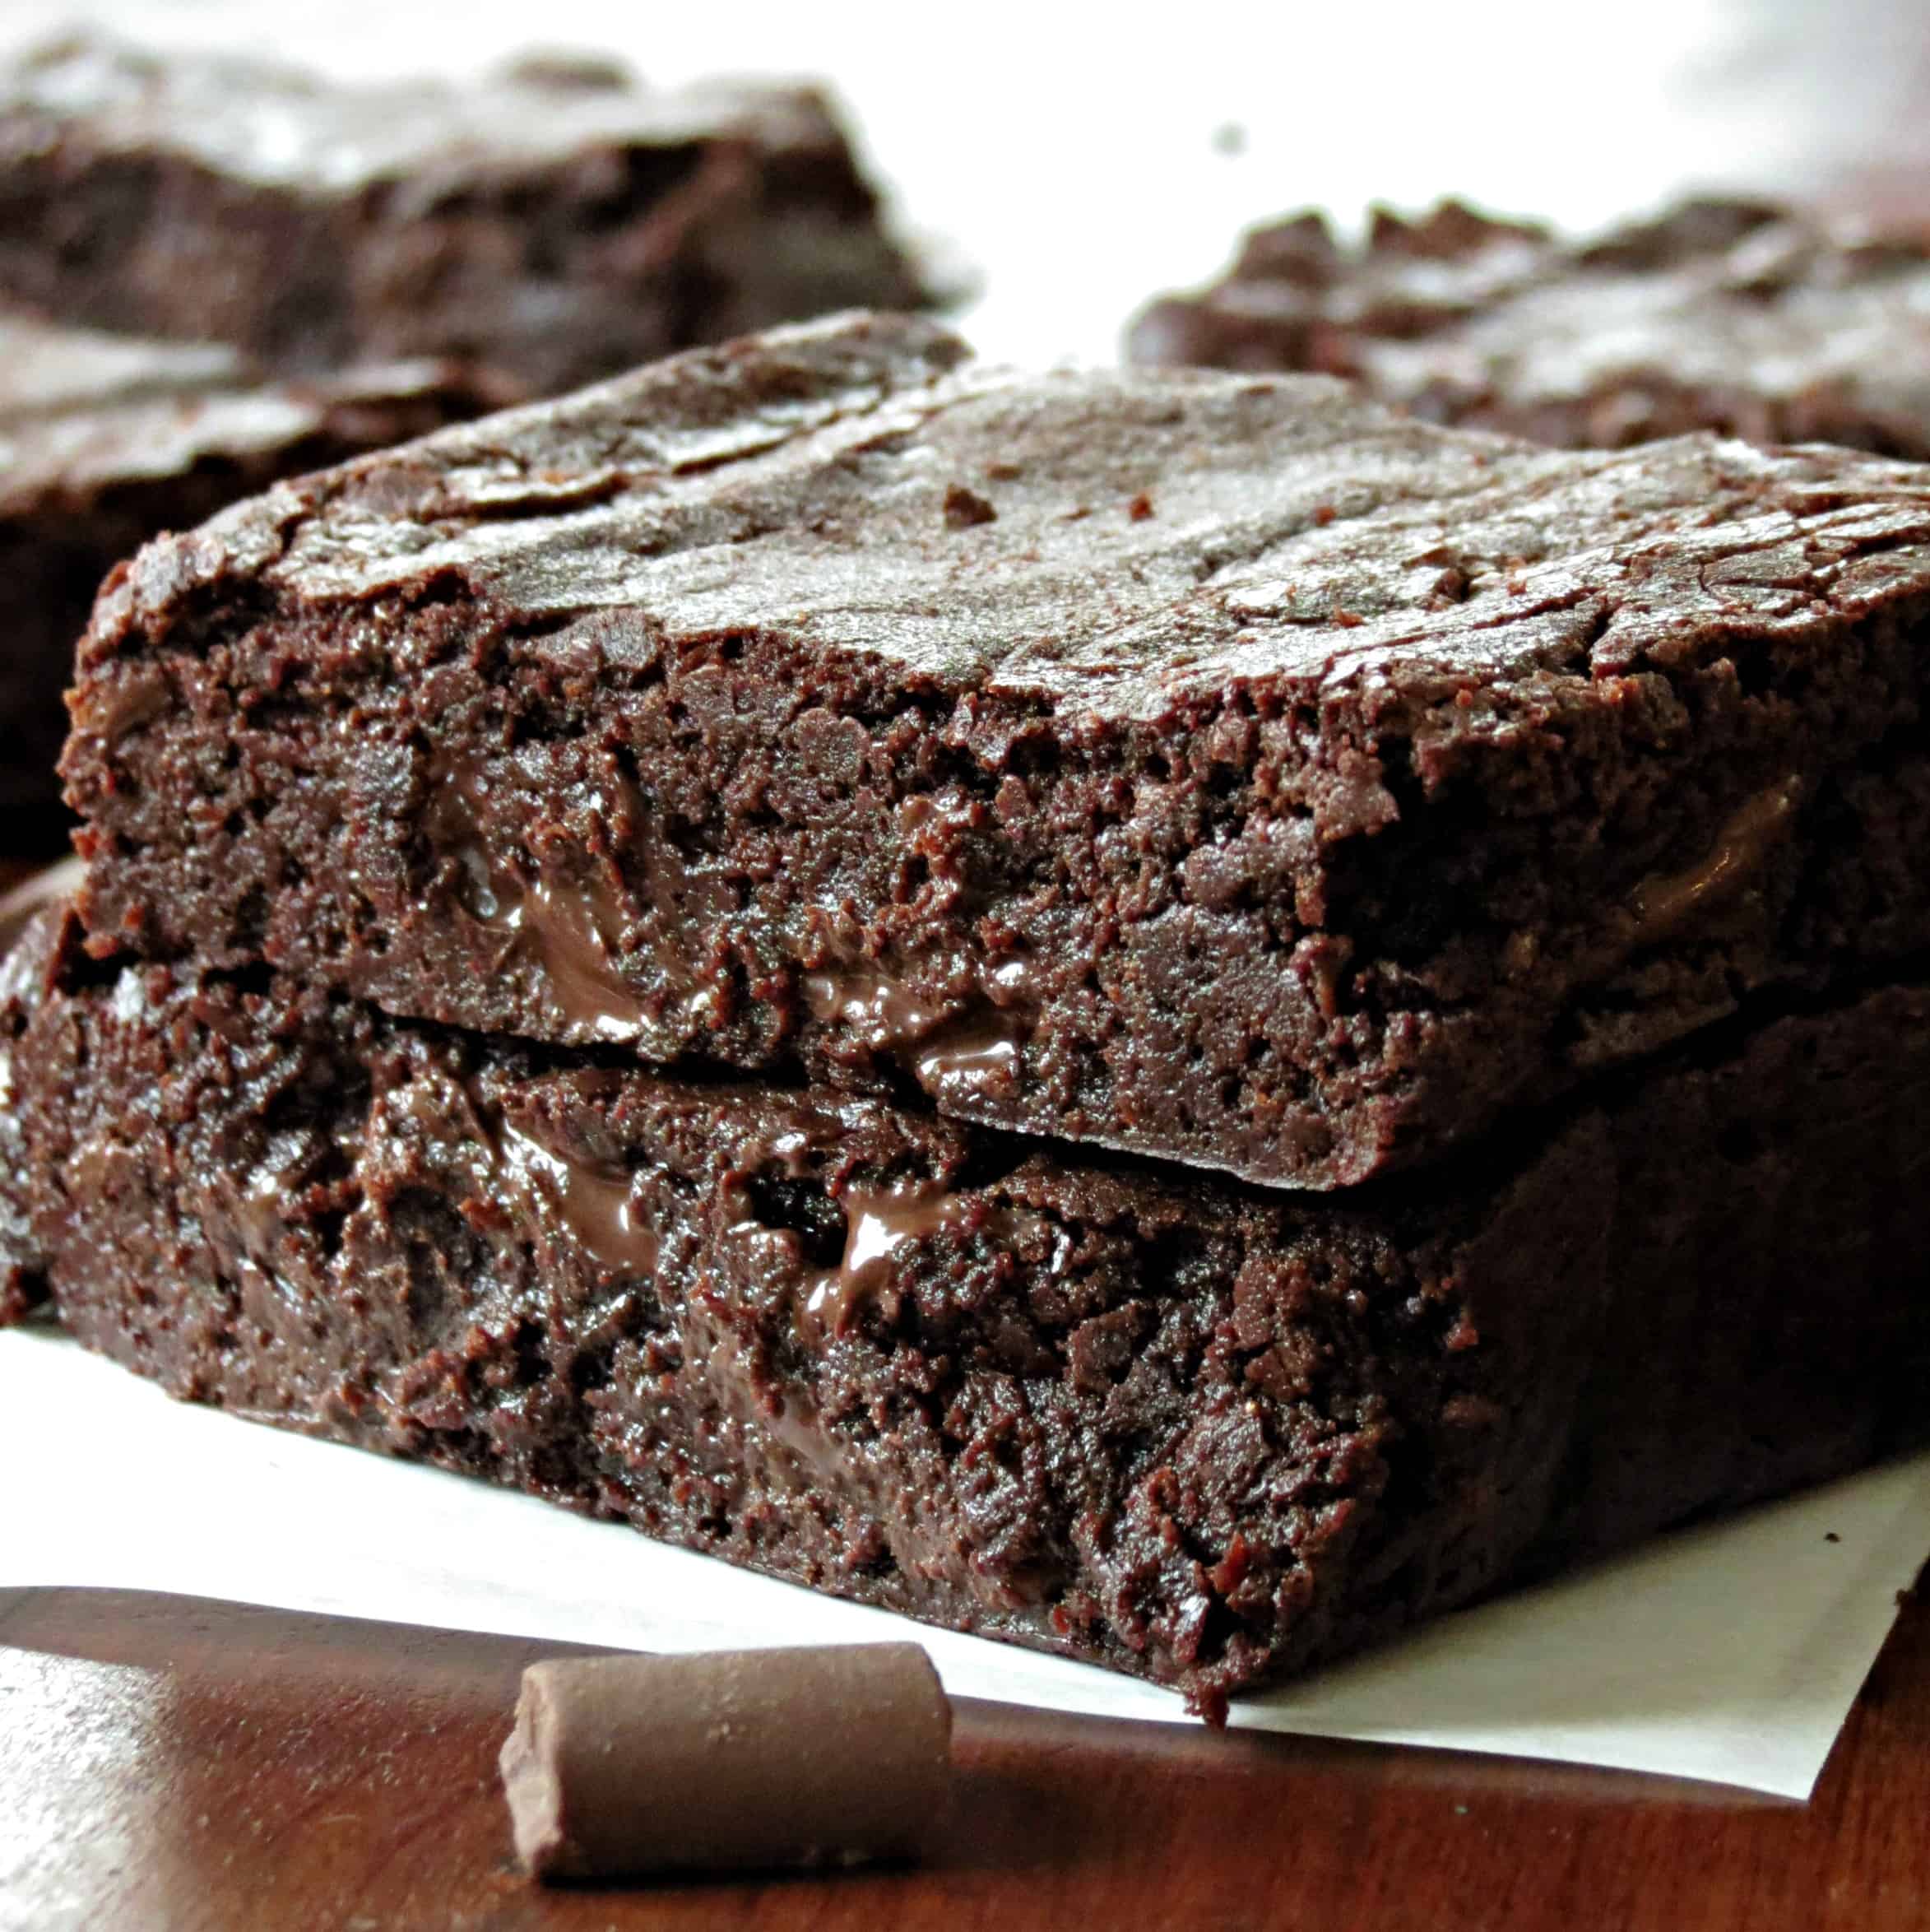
(300, 273)
(1167, 1016)
(1744, 317)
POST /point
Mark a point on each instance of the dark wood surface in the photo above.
(169, 1763)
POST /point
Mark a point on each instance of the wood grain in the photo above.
(172, 1763)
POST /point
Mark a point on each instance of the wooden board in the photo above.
(168, 1762)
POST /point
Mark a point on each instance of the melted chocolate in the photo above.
(566, 930)
(263, 1211)
(983, 1060)
(594, 1200)
(878, 1222)
(971, 1057)
(1013, 981)
(1660, 906)
(571, 928)
(871, 1003)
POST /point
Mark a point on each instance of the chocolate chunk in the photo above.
(828, 1757)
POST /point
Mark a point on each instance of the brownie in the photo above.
(1744, 317)
(1181, 1427)
(558, 220)
(104, 442)
(1221, 769)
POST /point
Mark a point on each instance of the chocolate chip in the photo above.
(964, 508)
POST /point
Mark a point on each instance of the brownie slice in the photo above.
(558, 221)
(1220, 768)
(1744, 317)
(1199, 1432)
(104, 442)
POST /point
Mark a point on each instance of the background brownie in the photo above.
(1227, 769)
(1742, 317)
(1197, 1431)
(104, 442)
(558, 222)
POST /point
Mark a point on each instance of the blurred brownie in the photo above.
(558, 222)
(106, 441)
(1203, 1432)
(1222, 769)
(1743, 317)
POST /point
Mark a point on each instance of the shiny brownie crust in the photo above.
(1199, 1432)
(1224, 769)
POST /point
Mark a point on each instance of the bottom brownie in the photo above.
(1200, 1431)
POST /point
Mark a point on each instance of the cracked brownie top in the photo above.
(1116, 545)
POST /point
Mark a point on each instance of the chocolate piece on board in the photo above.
(826, 1756)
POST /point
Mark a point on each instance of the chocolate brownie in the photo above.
(558, 222)
(1221, 769)
(1743, 317)
(1198, 1431)
(104, 442)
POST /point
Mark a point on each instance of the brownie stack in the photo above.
(299, 272)
(1167, 1015)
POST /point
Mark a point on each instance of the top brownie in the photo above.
(1220, 768)
(558, 222)
(1735, 316)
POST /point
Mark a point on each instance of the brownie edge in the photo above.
(1200, 1432)
(106, 442)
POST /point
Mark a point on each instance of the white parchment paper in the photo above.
(1730, 1653)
